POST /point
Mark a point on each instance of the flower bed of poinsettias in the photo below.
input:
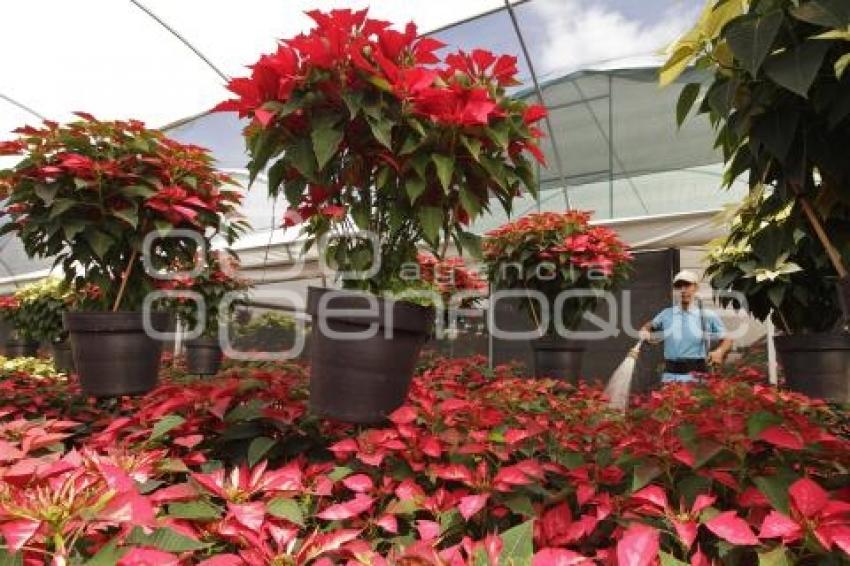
(480, 467)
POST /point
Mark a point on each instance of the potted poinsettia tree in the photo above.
(778, 97)
(552, 255)
(367, 132)
(217, 281)
(22, 341)
(88, 193)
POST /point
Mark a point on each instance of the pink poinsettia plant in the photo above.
(89, 192)
(480, 466)
(366, 128)
(552, 253)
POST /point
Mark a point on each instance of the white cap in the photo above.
(686, 276)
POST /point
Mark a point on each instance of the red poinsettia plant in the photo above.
(89, 192)
(480, 466)
(458, 284)
(553, 253)
(365, 128)
(217, 281)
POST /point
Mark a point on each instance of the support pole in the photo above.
(527, 56)
(610, 146)
(772, 374)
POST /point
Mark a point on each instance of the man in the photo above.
(686, 329)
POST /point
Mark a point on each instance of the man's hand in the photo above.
(716, 357)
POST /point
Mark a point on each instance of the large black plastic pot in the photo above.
(362, 380)
(817, 365)
(558, 358)
(21, 349)
(113, 354)
(203, 356)
(63, 358)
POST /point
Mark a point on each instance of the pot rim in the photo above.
(108, 321)
(404, 316)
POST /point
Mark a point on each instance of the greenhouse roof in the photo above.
(616, 147)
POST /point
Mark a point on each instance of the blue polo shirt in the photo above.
(684, 337)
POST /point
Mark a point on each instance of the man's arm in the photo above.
(646, 332)
(717, 356)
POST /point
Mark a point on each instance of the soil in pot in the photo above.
(63, 358)
(362, 380)
(817, 365)
(21, 349)
(558, 358)
(113, 354)
(203, 356)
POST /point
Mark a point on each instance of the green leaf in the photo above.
(776, 131)
(686, 101)
(60, 205)
(288, 509)
(751, 39)
(644, 473)
(670, 560)
(414, 186)
(258, 448)
(165, 539)
(776, 295)
(721, 96)
(796, 69)
(354, 101)
(275, 178)
(301, 156)
(775, 488)
(473, 146)
(128, 215)
(100, 242)
(411, 144)
(164, 425)
(518, 548)
(137, 191)
(776, 557)
(326, 139)
(758, 422)
(521, 505)
(46, 192)
(445, 169)
(195, 511)
(108, 555)
(252, 410)
(382, 129)
(431, 219)
(339, 473)
(500, 134)
(470, 243)
(470, 202)
(827, 13)
(17, 559)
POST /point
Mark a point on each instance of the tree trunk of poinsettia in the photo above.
(834, 256)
